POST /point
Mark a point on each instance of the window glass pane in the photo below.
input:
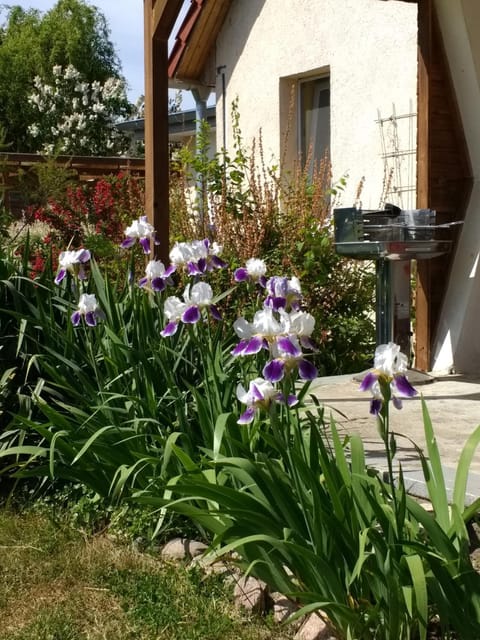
(314, 120)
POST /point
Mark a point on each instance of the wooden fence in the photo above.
(85, 168)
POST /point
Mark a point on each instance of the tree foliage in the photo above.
(32, 44)
(76, 117)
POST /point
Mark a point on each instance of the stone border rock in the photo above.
(249, 592)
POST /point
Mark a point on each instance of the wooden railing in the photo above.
(85, 167)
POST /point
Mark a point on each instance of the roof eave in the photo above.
(195, 39)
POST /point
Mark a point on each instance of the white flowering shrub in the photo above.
(78, 117)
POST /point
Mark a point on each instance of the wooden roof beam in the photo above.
(164, 13)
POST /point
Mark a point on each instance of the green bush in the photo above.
(257, 210)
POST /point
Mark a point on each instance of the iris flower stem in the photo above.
(294, 414)
(131, 277)
(384, 427)
(201, 336)
(89, 337)
(276, 424)
(291, 437)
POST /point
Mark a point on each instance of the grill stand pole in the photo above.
(392, 305)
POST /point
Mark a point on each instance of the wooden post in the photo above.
(423, 323)
(159, 18)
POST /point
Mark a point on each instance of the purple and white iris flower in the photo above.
(155, 276)
(283, 293)
(260, 394)
(300, 324)
(142, 231)
(213, 258)
(88, 309)
(173, 310)
(189, 311)
(254, 271)
(280, 331)
(73, 262)
(287, 356)
(197, 257)
(183, 253)
(197, 297)
(258, 334)
(389, 368)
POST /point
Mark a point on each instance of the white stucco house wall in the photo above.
(345, 63)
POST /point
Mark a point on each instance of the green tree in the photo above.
(32, 44)
(77, 117)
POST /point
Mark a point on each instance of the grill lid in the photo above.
(357, 231)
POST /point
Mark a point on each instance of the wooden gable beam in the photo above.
(159, 18)
(423, 320)
(164, 14)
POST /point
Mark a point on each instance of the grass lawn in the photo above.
(56, 584)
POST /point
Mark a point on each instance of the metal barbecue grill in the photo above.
(392, 237)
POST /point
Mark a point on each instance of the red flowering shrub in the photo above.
(92, 215)
(37, 262)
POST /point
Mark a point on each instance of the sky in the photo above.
(125, 20)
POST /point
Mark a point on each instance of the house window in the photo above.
(314, 120)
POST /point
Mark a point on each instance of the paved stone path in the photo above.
(454, 406)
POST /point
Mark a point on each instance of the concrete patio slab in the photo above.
(453, 403)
